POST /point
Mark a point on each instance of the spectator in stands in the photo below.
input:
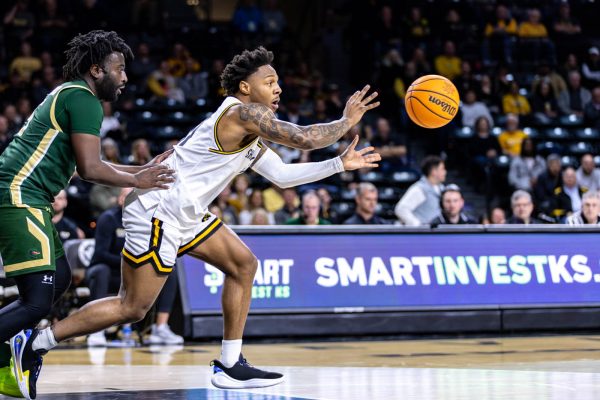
(274, 23)
(53, 26)
(543, 189)
(567, 197)
(522, 209)
(533, 37)
(421, 202)
(591, 112)
(487, 94)
(546, 73)
(448, 64)
(588, 176)
(590, 210)
(163, 84)
(576, 97)
(255, 201)
(247, 17)
(181, 61)
(103, 275)
(525, 168)
(311, 204)
(18, 25)
(571, 64)
(417, 27)
(387, 31)
(391, 87)
(483, 150)
(15, 121)
(514, 102)
(591, 67)
(193, 83)
(500, 37)
(512, 137)
(140, 68)
(5, 137)
(290, 207)
(497, 216)
(111, 125)
(390, 145)
(43, 83)
(228, 213)
(366, 204)
(452, 203)
(25, 64)
(567, 31)
(327, 211)
(472, 109)
(260, 216)
(240, 190)
(66, 228)
(419, 60)
(465, 80)
(140, 152)
(544, 104)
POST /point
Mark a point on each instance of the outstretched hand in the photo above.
(357, 105)
(356, 159)
(155, 176)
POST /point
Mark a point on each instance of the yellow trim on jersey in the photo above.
(34, 160)
(150, 256)
(233, 152)
(200, 236)
(44, 241)
(53, 106)
(217, 124)
(37, 213)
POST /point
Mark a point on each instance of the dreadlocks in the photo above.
(242, 66)
(92, 48)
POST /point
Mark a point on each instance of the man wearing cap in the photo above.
(543, 189)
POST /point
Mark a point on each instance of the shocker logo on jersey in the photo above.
(250, 155)
(206, 217)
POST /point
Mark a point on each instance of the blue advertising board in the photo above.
(356, 272)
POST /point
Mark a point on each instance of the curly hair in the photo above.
(242, 66)
(85, 50)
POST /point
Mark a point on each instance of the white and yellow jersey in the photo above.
(203, 170)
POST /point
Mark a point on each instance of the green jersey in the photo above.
(40, 160)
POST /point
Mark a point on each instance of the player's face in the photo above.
(264, 88)
(114, 78)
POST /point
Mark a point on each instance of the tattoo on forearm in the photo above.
(302, 137)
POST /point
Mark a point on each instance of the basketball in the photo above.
(432, 101)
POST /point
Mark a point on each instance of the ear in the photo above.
(96, 71)
(244, 88)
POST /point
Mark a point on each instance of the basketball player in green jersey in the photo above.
(61, 136)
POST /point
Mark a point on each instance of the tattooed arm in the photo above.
(260, 120)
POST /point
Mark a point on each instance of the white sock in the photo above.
(230, 352)
(44, 340)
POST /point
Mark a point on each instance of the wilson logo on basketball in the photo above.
(446, 107)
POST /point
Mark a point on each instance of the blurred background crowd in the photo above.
(523, 148)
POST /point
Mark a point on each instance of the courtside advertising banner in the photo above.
(361, 272)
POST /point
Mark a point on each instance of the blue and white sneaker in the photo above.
(27, 362)
(242, 376)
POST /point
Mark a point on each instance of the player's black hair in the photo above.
(92, 48)
(242, 66)
(429, 163)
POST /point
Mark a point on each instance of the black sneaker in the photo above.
(27, 362)
(242, 376)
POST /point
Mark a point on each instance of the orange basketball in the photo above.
(432, 101)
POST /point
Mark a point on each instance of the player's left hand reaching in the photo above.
(356, 159)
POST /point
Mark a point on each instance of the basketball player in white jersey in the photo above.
(162, 225)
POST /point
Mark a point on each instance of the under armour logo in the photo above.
(250, 155)
(47, 279)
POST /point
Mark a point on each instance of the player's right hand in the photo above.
(357, 105)
(156, 176)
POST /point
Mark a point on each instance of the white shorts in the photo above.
(150, 240)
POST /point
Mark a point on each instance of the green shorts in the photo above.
(28, 241)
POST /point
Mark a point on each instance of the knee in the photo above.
(245, 267)
(37, 310)
(134, 312)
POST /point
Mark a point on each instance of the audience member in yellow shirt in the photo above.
(448, 64)
(533, 28)
(25, 64)
(512, 137)
(515, 103)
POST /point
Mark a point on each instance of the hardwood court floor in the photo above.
(531, 368)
